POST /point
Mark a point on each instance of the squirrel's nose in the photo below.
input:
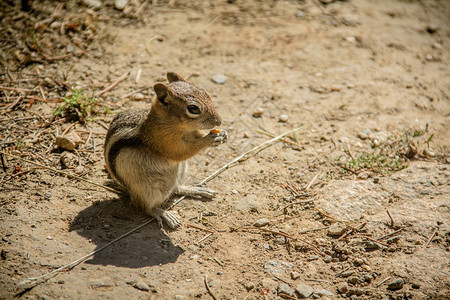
(217, 121)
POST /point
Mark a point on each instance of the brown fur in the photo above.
(145, 150)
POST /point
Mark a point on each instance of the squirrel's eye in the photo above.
(193, 110)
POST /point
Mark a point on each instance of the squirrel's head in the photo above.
(185, 103)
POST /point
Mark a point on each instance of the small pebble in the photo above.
(284, 289)
(355, 291)
(79, 169)
(283, 118)
(246, 135)
(299, 14)
(249, 285)
(347, 273)
(327, 259)
(261, 222)
(429, 57)
(342, 288)
(395, 285)
(336, 229)
(358, 261)
(258, 112)
(120, 4)
(415, 285)
(304, 290)
(140, 285)
(179, 297)
(69, 141)
(324, 292)
(219, 79)
(92, 3)
(138, 96)
(335, 88)
(295, 275)
(432, 28)
(353, 280)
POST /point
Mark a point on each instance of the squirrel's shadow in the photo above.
(106, 220)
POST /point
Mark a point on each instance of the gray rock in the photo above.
(285, 290)
(261, 222)
(396, 284)
(324, 292)
(219, 78)
(337, 229)
(179, 297)
(120, 4)
(277, 267)
(248, 203)
(92, 3)
(304, 290)
(269, 283)
(140, 285)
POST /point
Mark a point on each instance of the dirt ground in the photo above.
(367, 82)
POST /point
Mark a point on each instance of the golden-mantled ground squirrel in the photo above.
(146, 151)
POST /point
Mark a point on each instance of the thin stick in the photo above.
(61, 172)
(318, 280)
(31, 282)
(313, 181)
(298, 202)
(208, 289)
(386, 279)
(68, 128)
(314, 229)
(15, 89)
(204, 238)
(283, 140)
(11, 107)
(271, 231)
(121, 78)
(240, 157)
(389, 234)
(432, 236)
(390, 217)
(337, 220)
(200, 228)
(133, 92)
(287, 236)
(372, 239)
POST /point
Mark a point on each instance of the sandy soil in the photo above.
(357, 76)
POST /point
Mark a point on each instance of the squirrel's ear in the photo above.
(161, 92)
(171, 76)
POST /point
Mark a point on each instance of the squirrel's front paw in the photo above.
(217, 137)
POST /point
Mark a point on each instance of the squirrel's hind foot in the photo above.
(169, 217)
(195, 191)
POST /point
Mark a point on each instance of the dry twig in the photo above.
(208, 288)
(432, 236)
(121, 78)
